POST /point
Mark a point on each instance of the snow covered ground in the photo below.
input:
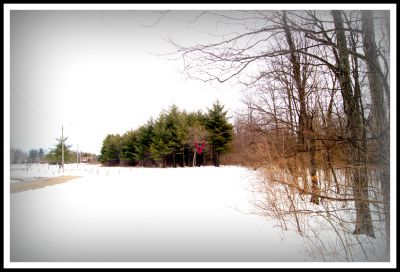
(118, 214)
(28, 172)
(145, 214)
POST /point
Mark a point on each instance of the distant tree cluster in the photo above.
(171, 139)
(18, 156)
(70, 156)
(33, 156)
(36, 155)
(54, 156)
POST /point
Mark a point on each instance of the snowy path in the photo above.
(149, 215)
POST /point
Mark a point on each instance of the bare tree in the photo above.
(380, 118)
(309, 110)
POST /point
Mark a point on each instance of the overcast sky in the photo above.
(100, 72)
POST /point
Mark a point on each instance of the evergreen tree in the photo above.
(170, 139)
(177, 126)
(161, 141)
(110, 151)
(144, 138)
(55, 155)
(128, 148)
(219, 130)
(196, 118)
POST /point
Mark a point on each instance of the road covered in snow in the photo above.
(201, 214)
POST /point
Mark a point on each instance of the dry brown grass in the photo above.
(40, 183)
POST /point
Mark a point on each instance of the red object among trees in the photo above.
(200, 147)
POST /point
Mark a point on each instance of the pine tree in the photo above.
(110, 151)
(55, 155)
(161, 141)
(128, 148)
(177, 126)
(219, 130)
(144, 138)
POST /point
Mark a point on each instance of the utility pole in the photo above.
(62, 147)
(77, 155)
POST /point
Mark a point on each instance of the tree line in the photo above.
(18, 156)
(53, 156)
(171, 140)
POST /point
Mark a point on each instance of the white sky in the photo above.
(96, 72)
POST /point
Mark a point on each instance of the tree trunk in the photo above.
(380, 123)
(305, 124)
(297, 78)
(194, 157)
(184, 158)
(217, 162)
(313, 172)
(354, 126)
(174, 160)
(214, 155)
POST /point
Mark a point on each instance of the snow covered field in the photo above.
(25, 172)
(144, 215)
(129, 214)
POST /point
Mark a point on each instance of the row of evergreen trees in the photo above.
(170, 140)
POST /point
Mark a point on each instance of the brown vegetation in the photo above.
(317, 121)
(40, 183)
